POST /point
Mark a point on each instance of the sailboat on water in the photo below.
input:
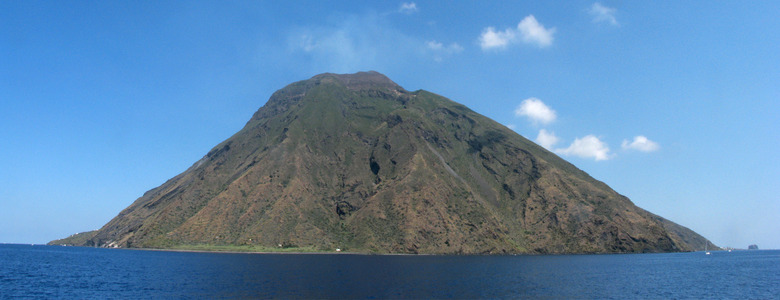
(706, 252)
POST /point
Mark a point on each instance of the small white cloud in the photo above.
(354, 42)
(602, 13)
(588, 146)
(511, 126)
(454, 48)
(528, 31)
(408, 8)
(492, 39)
(535, 33)
(437, 46)
(440, 51)
(535, 110)
(546, 139)
(640, 143)
(434, 45)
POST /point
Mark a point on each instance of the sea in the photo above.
(38, 271)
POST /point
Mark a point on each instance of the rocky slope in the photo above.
(358, 163)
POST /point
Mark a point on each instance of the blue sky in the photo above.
(675, 104)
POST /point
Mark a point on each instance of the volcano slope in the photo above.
(358, 163)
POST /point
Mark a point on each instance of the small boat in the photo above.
(706, 252)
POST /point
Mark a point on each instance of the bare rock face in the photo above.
(356, 162)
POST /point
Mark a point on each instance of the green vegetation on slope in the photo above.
(357, 162)
(77, 239)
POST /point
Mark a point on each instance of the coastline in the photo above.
(247, 252)
(333, 252)
(281, 251)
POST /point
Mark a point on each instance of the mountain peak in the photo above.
(360, 80)
(352, 161)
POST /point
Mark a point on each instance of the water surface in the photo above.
(76, 272)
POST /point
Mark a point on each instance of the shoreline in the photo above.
(247, 252)
(252, 252)
(332, 252)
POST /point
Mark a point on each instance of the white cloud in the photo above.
(588, 146)
(361, 42)
(546, 139)
(350, 44)
(434, 45)
(440, 51)
(534, 33)
(408, 8)
(602, 13)
(535, 110)
(640, 143)
(528, 31)
(491, 39)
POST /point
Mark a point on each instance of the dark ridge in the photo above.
(362, 80)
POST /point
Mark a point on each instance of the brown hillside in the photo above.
(358, 163)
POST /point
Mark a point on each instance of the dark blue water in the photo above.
(74, 272)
